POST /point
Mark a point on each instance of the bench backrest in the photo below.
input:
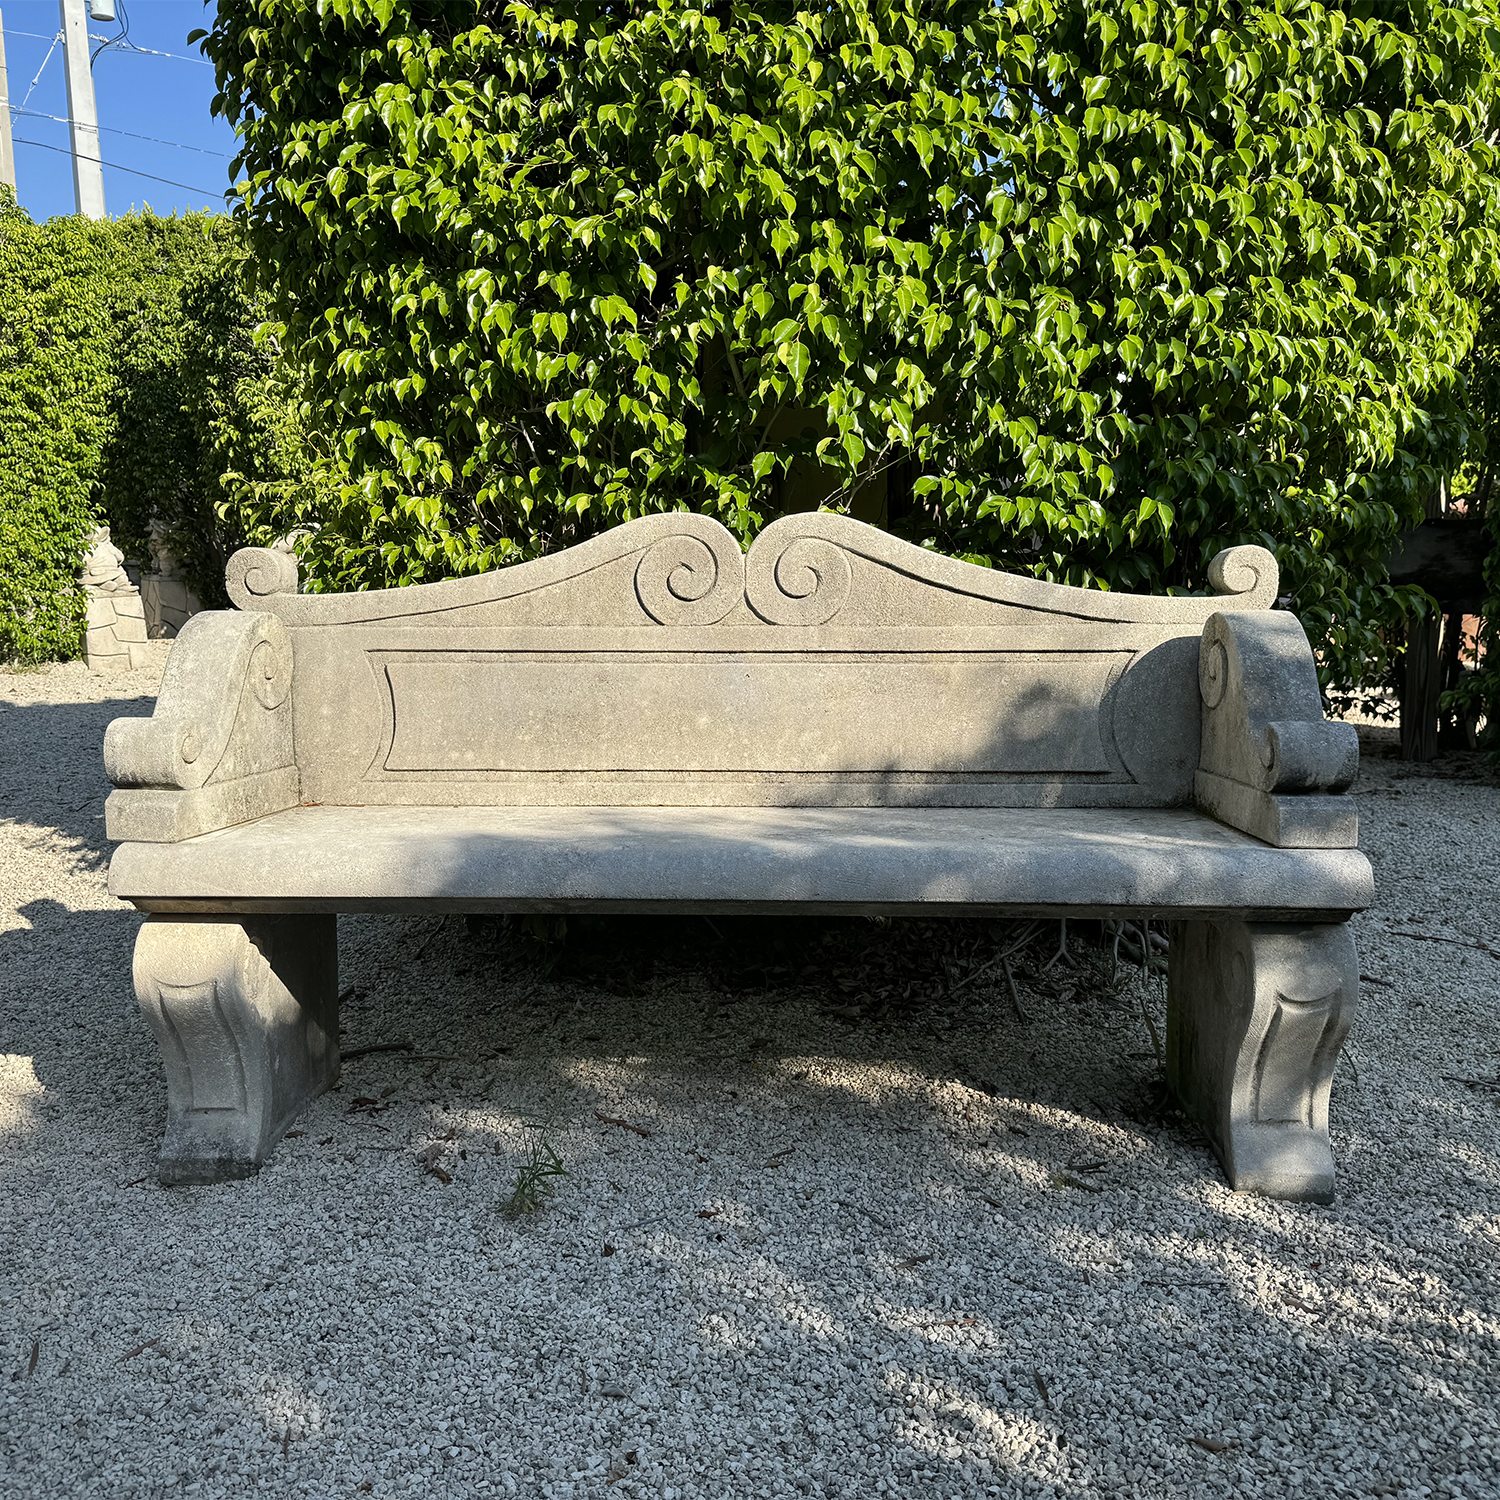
(832, 664)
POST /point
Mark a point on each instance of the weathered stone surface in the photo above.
(162, 815)
(130, 620)
(867, 859)
(1257, 1014)
(835, 721)
(246, 1014)
(834, 663)
(1266, 744)
(1304, 821)
(218, 749)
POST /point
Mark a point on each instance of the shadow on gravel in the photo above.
(67, 1004)
(833, 1210)
(684, 993)
(52, 767)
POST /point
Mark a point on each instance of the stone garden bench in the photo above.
(654, 721)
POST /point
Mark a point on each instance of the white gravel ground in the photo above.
(846, 1260)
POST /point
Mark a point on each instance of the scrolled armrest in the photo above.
(218, 749)
(1271, 764)
(1310, 756)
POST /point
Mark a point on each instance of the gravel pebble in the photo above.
(948, 1255)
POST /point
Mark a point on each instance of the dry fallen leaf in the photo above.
(36, 1354)
(623, 1124)
(708, 1213)
(955, 1323)
(911, 1261)
(1212, 1444)
(293, 1135)
(427, 1159)
(1068, 1180)
(1298, 1303)
(1041, 1389)
(139, 1349)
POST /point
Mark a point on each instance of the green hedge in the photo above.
(54, 379)
(1076, 288)
(133, 390)
(205, 418)
(154, 475)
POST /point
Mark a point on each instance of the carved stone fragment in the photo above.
(217, 750)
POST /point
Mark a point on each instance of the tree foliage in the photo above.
(1075, 287)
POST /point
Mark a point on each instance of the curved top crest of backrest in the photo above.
(802, 570)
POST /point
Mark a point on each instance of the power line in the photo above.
(202, 62)
(39, 36)
(37, 114)
(115, 166)
(124, 37)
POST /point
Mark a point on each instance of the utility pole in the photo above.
(83, 117)
(7, 151)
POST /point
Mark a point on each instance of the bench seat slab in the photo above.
(1063, 860)
(1256, 1015)
(246, 1014)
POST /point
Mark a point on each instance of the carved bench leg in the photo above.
(246, 1012)
(1256, 1014)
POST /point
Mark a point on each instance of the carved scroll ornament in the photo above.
(687, 569)
(257, 573)
(690, 579)
(1271, 764)
(218, 748)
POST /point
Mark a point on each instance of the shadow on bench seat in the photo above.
(833, 722)
(965, 861)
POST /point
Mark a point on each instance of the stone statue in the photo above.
(104, 571)
(116, 637)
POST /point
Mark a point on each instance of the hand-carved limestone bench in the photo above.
(835, 722)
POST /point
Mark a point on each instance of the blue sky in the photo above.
(166, 98)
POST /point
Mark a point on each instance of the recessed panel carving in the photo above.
(986, 712)
(1283, 1078)
(207, 1047)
